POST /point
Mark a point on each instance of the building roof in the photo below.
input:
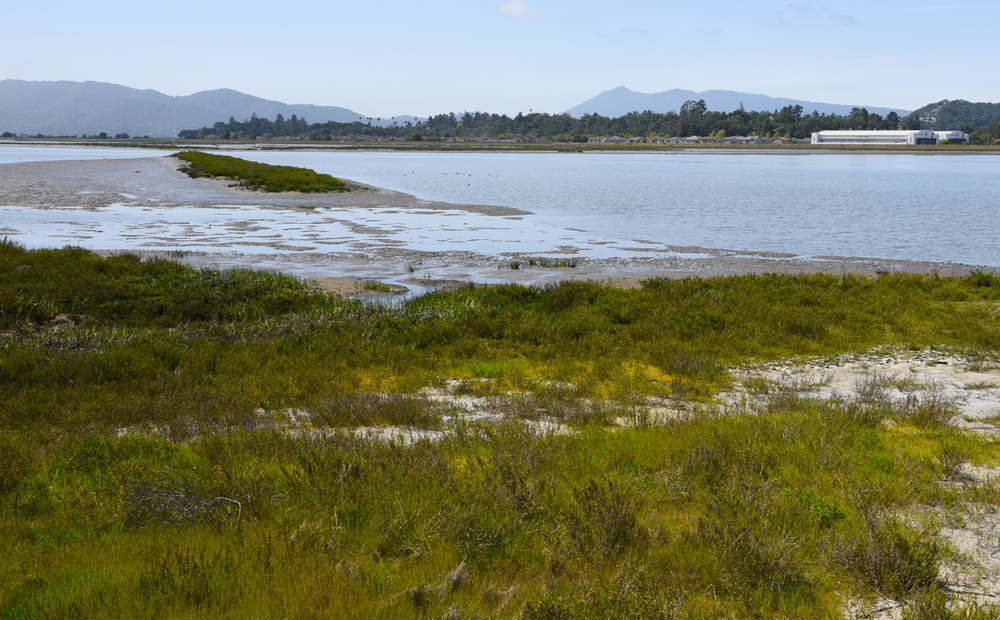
(871, 132)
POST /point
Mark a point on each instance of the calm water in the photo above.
(26, 153)
(939, 208)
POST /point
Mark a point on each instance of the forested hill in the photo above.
(958, 114)
(694, 118)
(620, 101)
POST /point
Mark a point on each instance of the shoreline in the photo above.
(98, 183)
(479, 147)
(367, 249)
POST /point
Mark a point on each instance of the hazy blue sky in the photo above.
(388, 57)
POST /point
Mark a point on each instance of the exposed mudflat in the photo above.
(146, 206)
(107, 182)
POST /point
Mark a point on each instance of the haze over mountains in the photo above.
(74, 108)
(621, 101)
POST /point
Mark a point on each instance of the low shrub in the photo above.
(890, 557)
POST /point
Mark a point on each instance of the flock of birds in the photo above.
(458, 173)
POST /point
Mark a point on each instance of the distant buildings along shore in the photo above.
(913, 137)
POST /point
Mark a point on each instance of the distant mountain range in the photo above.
(620, 101)
(74, 108)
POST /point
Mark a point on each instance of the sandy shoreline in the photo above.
(105, 182)
(370, 233)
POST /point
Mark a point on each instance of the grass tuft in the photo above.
(890, 557)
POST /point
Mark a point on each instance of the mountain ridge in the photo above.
(73, 108)
(620, 101)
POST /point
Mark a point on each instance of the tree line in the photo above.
(694, 118)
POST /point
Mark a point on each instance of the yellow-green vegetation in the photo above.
(256, 176)
(375, 287)
(150, 467)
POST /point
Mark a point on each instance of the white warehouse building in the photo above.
(875, 137)
(951, 136)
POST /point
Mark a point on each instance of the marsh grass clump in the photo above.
(123, 289)
(552, 263)
(256, 176)
(982, 385)
(171, 499)
(933, 603)
(558, 402)
(872, 403)
(932, 410)
(375, 287)
(952, 459)
(18, 459)
(603, 520)
(367, 409)
(890, 557)
(632, 592)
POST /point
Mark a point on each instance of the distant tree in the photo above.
(6, 134)
(122, 136)
(912, 123)
(103, 135)
(966, 128)
(691, 108)
(695, 119)
(892, 120)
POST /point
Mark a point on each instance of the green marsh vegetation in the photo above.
(150, 464)
(545, 263)
(258, 177)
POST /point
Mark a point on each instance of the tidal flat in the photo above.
(145, 205)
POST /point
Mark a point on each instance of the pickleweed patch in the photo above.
(257, 176)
